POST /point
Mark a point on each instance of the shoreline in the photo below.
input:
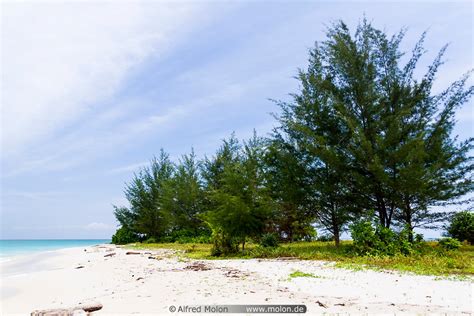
(7, 251)
(154, 280)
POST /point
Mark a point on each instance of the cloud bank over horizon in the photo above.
(92, 90)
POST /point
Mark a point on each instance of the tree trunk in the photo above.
(336, 239)
(408, 219)
(410, 234)
(385, 221)
(335, 224)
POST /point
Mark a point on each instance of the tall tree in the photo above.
(286, 180)
(145, 193)
(183, 196)
(238, 205)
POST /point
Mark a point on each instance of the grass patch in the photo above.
(300, 274)
(432, 260)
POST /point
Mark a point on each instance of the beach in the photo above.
(151, 282)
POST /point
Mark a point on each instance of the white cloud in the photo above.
(98, 226)
(59, 59)
(49, 195)
(128, 168)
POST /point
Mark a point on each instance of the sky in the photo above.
(90, 91)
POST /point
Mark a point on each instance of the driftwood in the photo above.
(92, 307)
(132, 253)
(321, 304)
(110, 254)
(287, 258)
(85, 309)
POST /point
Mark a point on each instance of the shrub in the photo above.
(269, 240)
(223, 245)
(449, 243)
(379, 240)
(123, 236)
(461, 227)
(262, 252)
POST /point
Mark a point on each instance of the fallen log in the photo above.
(110, 254)
(286, 258)
(85, 309)
(132, 253)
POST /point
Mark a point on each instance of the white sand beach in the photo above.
(149, 283)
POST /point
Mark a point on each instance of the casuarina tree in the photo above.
(379, 138)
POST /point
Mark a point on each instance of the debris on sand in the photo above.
(234, 273)
(79, 267)
(110, 254)
(197, 266)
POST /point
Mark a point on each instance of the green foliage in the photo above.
(223, 244)
(145, 215)
(461, 226)
(362, 134)
(269, 240)
(124, 236)
(185, 236)
(165, 201)
(380, 240)
(183, 197)
(203, 239)
(285, 178)
(449, 243)
(150, 240)
(430, 259)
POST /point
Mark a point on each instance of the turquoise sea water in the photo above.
(10, 248)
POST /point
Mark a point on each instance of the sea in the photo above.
(9, 248)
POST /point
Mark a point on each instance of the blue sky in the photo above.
(92, 90)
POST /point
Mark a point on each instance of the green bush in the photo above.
(186, 236)
(150, 240)
(266, 252)
(269, 240)
(461, 226)
(379, 240)
(449, 243)
(194, 240)
(325, 238)
(124, 236)
(304, 232)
